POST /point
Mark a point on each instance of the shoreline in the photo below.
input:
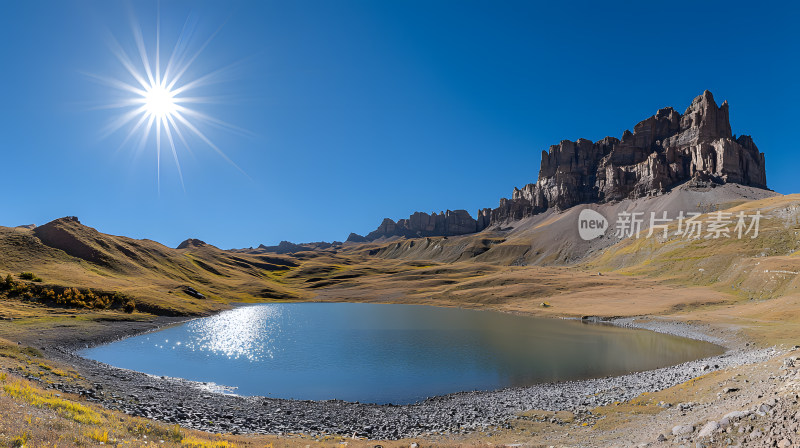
(194, 405)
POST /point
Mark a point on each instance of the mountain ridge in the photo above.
(663, 151)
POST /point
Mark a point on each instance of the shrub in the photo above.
(99, 436)
(67, 297)
(21, 440)
(30, 276)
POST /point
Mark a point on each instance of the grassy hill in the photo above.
(66, 253)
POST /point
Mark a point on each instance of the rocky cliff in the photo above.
(420, 224)
(663, 151)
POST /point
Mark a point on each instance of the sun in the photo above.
(156, 97)
(160, 101)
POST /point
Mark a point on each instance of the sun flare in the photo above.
(155, 102)
(160, 102)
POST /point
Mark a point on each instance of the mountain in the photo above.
(551, 238)
(664, 151)
(420, 224)
(287, 247)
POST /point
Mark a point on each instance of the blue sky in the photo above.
(360, 110)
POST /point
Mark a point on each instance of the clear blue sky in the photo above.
(360, 110)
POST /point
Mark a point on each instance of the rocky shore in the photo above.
(202, 406)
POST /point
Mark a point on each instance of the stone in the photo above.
(708, 429)
(661, 438)
(682, 430)
(736, 415)
(785, 443)
(193, 293)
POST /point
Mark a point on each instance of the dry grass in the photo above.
(154, 275)
(22, 391)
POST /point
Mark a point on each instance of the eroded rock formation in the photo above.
(663, 151)
(420, 224)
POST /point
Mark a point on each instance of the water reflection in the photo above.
(248, 332)
(389, 353)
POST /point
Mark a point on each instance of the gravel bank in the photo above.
(195, 405)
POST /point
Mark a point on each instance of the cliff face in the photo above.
(663, 151)
(420, 224)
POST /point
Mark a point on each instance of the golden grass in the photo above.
(41, 399)
(98, 436)
(192, 442)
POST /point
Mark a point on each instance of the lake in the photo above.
(381, 353)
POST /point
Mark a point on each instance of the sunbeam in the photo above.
(158, 95)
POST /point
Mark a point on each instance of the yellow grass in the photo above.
(191, 442)
(42, 399)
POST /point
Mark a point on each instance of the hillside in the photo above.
(552, 237)
(64, 252)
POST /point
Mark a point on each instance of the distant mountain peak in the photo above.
(191, 242)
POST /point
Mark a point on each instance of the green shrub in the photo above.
(8, 282)
(70, 297)
(30, 276)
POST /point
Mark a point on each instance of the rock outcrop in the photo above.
(355, 238)
(287, 247)
(662, 152)
(420, 224)
(190, 243)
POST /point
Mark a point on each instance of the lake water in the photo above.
(389, 353)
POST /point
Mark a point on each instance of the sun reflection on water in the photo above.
(248, 332)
